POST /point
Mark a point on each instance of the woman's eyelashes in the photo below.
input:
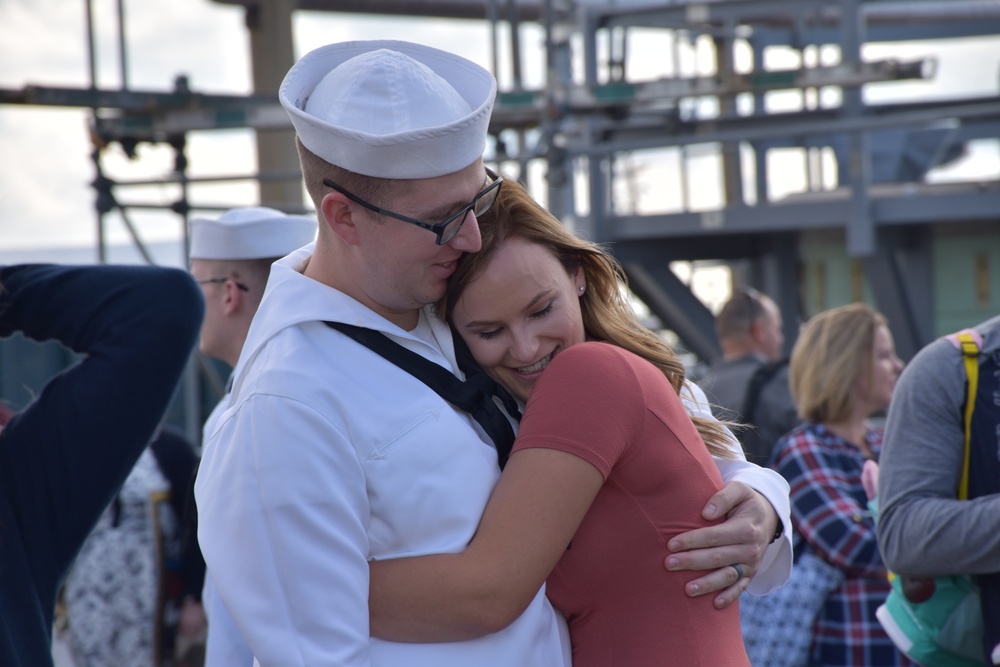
(538, 314)
(543, 312)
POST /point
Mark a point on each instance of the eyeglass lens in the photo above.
(483, 202)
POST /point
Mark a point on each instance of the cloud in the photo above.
(42, 41)
(44, 174)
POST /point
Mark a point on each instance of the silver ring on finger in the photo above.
(739, 571)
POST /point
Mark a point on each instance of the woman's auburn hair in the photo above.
(607, 315)
(833, 352)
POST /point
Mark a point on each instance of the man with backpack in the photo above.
(924, 530)
(749, 384)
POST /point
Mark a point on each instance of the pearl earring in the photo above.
(581, 289)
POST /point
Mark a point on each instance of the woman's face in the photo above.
(519, 313)
(885, 369)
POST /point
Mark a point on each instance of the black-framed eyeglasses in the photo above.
(240, 286)
(447, 229)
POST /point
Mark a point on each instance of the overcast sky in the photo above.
(45, 166)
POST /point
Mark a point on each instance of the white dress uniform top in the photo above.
(224, 645)
(297, 489)
(239, 234)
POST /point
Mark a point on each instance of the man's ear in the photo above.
(233, 299)
(336, 210)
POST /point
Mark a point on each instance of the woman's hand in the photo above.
(741, 539)
(869, 479)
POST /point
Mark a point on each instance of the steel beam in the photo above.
(529, 10)
(900, 277)
(892, 206)
(676, 306)
(799, 15)
(271, 55)
(666, 130)
(776, 273)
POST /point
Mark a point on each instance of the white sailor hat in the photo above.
(250, 233)
(390, 109)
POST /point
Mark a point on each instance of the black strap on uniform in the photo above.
(760, 377)
(474, 395)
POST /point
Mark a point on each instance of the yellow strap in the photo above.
(970, 353)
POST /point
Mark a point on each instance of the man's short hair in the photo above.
(737, 316)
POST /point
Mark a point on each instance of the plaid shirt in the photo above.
(830, 517)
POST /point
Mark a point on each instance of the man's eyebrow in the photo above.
(446, 210)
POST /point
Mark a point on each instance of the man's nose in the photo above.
(469, 238)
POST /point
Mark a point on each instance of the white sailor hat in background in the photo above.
(250, 233)
(390, 109)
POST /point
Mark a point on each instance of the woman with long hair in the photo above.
(608, 465)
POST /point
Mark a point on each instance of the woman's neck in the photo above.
(854, 432)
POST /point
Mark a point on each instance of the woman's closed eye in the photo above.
(537, 315)
(543, 312)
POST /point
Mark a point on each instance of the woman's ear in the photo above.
(579, 280)
(336, 210)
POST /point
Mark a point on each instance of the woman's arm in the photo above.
(534, 511)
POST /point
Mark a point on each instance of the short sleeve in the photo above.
(588, 402)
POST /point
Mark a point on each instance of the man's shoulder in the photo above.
(732, 377)
(944, 350)
(990, 331)
(734, 369)
(751, 360)
(934, 359)
(767, 370)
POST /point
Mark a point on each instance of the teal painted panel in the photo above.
(830, 278)
(966, 277)
(966, 280)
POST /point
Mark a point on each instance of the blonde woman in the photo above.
(843, 370)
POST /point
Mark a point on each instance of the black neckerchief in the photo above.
(474, 395)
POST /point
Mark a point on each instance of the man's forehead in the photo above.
(198, 266)
(437, 197)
